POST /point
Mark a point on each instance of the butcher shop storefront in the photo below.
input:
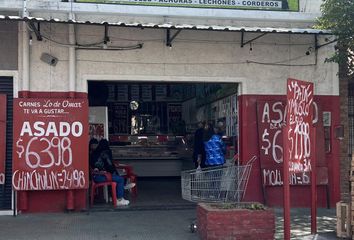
(145, 86)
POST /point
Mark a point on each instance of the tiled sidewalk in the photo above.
(301, 224)
(141, 225)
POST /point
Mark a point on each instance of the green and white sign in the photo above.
(274, 5)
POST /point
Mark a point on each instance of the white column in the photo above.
(25, 51)
(72, 55)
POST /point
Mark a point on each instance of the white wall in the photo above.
(195, 55)
(99, 115)
(8, 46)
(308, 11)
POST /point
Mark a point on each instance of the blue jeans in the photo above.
(115, 178)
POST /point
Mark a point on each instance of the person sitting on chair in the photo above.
(101, 163)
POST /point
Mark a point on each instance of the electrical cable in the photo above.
(181, 40)
(90, 46)
(97, 46)
(200, 41)
(64, 44)
(73, 45)
(279, 63)
(282, 64)
(162, 63)
(185, 40)
(138, 46)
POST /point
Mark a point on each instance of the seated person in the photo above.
(101, 162)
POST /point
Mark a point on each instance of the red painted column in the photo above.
(23, 200)
(70, 200)
(313, 184)
(286, 189)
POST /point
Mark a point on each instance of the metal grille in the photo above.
(6, 87)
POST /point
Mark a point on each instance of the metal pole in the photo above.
(313, 183)
(14, 203)
(286, 186)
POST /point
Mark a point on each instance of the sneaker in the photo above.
(129, 186)
(122, 202)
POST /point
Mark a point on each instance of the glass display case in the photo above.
(153, 156)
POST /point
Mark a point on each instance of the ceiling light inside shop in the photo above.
(105, 45)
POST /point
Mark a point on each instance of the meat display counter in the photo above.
(151, 160)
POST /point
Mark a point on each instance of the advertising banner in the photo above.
(299, 140)
(271, 120)
(50, 146)
(299, 125)
(274, 5)
(3, 104)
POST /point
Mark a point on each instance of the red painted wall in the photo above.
(55, 201)
(50, 201)
(249, 146)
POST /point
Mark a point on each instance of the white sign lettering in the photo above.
(242, 4)
(48, 180)
(300, 100)
(61, 129)
(274, 178)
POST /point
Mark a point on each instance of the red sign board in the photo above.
(271, 119)
(3, 104)
(50, 144)
(299, 123)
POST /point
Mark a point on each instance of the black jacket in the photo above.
(103, 161)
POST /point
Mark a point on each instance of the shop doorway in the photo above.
(151, 125)
(6, 101)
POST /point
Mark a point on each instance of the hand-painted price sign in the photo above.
(299, 123)
(271, 119)
(50, 139)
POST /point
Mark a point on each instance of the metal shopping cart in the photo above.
(223, 184)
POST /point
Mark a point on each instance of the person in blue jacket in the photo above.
(215, 148)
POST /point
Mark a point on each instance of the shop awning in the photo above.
(172, 26)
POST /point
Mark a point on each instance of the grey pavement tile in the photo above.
(125, 225)
(301, 224)
(158, 213)
(143, 225)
